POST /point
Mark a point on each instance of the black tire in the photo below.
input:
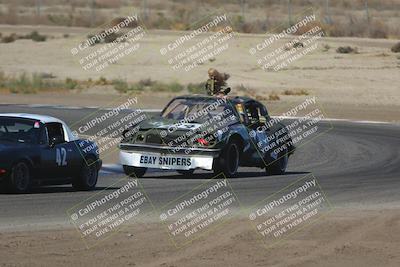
(20, 178)
(186, 172)
(228, 162)
(87, 178)
(134, 171)
(278, 167)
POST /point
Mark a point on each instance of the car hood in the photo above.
(162, 131)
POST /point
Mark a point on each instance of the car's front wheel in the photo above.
(228, 163)
(135, 172)
(278, 167)
(87, 177)
(20, 178)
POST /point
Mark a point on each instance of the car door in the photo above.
(261, 135)
(59, 157)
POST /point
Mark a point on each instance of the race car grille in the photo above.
(153, 139)
(174, 139)
(157, 139)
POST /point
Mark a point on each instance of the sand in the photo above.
(344, 237)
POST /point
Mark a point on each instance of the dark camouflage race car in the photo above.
(210, 133)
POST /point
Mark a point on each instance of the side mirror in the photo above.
(55, 140)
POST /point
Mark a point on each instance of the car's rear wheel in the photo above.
(87, 178)
(279, 166)
(134, 171)
(228, 163)
(20, 178)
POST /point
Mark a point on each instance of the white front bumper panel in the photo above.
(165, 161)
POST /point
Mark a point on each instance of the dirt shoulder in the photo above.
(345, 237)
(362, 85)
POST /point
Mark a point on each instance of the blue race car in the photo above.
(42, 150)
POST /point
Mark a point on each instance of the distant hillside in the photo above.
(359, 18)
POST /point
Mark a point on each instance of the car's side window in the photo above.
(253, 113)
(263, 114)
(55, 131)
(241, 112)
(261, 109)
(43, 136)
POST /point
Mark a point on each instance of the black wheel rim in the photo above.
(21, 176)
(91, 174)
(233, 159)
(283, 161)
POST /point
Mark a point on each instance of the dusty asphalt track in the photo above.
(356, 164)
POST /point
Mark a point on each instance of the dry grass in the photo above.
(38, 82)
(196, 88)
(34, 36)
(29, 84)
(9, 39)
(396, 48)
(102, 81)
(326, 48)
(122, 86)
(347, 50)
(273, 97)
(348, 17)
(356, 26)
(296, 92)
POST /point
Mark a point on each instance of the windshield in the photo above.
(19, 130)
(182, 108)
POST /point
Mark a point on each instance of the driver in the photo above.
(216, 83)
